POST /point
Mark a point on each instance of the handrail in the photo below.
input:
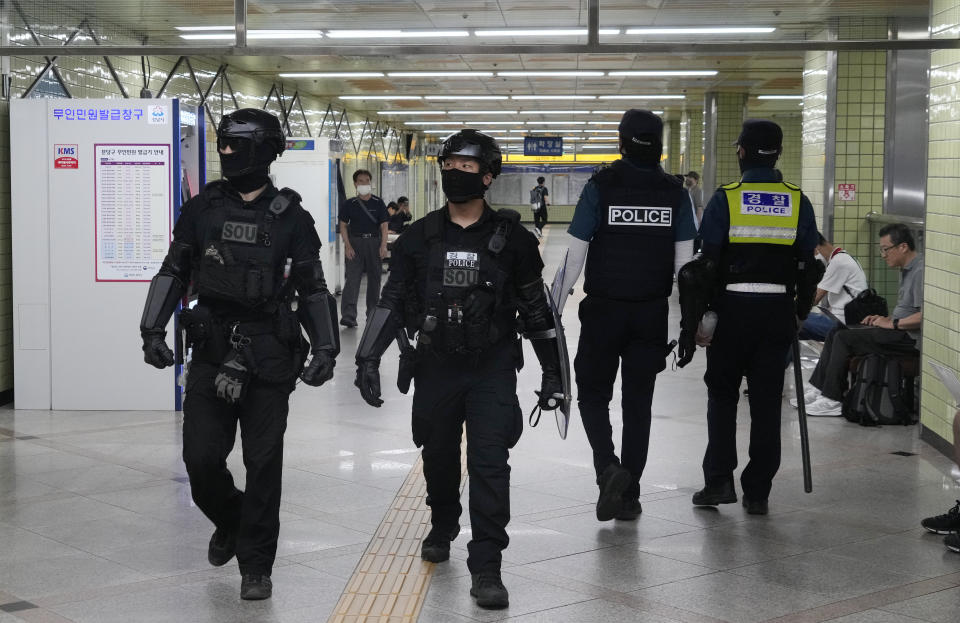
(879, 217)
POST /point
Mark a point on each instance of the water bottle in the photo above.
(708, 325)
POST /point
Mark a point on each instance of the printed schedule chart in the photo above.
(132, 204)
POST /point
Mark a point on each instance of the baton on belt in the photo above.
(802, 415)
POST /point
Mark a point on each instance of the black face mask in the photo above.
(249, 182)
(461, 186)
(247, 158)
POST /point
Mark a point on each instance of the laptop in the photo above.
(829, 314)
(949, 379)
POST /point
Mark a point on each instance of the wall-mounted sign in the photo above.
(300, 145)
(542, 146)
(846, 192)
(65, 157)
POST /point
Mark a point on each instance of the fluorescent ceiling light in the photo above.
(620, 112)
(553, 97)
(554, 112)
(455, 98)
(411, 112)
(702, 30)
(555, 123)
(438, 131)
(427, 122)
(779, 97)
(189, 28)
(540, 32)
(482, 112)
(394, 34)
(332, 74)
(380, 97)
(604, 122)
(259, 34)
(532, 130)
(209, 37)
(665, 72)
(547, 74)
(469, 123)
(642, 97)
(439, 74)
(600, 138)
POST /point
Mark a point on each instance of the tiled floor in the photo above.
(97, 525)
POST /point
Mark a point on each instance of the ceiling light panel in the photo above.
(555, 123)
(553, 97)
(779, 97)
(439, 74)
(549, 74)
(642, 97)
(380, 97)
(332, 74)
(554, 112)
(482, 112)
(411, 112)
(395, 34)
(457, 98)
(703, 30)
(664, 73)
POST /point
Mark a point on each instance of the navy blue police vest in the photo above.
(631, 255)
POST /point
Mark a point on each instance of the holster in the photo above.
(409, 358)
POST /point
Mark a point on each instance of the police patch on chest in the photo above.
(640, 215)
(461, 269)
(237, 231)
(765, 203)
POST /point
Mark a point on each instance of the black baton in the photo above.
(802, 415)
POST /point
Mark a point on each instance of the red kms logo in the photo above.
(65, 157)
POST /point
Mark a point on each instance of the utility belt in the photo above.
(377, 235)
(445, 330)
(757, 288)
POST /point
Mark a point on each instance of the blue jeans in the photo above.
(815, 327)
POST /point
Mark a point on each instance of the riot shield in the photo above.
(562, 412)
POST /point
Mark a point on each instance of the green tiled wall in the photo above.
(730, 110)
(790, 160)
(814, 138)
(674, 162)
(693, 135)
(941, 292)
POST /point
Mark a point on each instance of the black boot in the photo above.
(436, 545)
(755, 507)
(715, 493)
(255, 586)
(630, 509)
(489, 591)
(223, 546)
(613, 482)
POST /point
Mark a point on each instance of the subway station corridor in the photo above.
(97, 522)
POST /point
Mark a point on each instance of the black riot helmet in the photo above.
(256, 138)
(474, 144)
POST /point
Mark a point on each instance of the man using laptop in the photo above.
(895, 334)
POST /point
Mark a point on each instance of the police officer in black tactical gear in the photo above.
(458, 279)
(634, 226)
(758, 274)
(246, 248)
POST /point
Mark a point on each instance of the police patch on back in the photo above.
(765, 203)
(658, 216)
(461, 269)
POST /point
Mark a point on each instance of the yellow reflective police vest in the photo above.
(763, 213)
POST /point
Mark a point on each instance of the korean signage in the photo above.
(759, 202)
(542, 146)
(846, 192)
(120, 113)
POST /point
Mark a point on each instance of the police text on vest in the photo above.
(640, 215)
(761, 203)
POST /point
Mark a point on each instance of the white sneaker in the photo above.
(809, 396)
(825, 407)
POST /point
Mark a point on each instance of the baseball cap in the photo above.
(761, 136)
(637, 126)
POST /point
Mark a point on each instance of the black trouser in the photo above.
(753, 334)
(209, 431)
(449, 392)
(365, 262)
(830, 375)
(611, 331)
(540, 217)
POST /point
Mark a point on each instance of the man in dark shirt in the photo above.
(363, 227)
(399, 214)
(540, 206)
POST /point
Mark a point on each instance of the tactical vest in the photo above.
(630, 257)
(243, 250)
(763, 230)
(458, 275)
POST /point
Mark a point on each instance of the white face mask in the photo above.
(364, 189)
(820, 258)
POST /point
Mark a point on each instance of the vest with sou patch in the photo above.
(630, 257)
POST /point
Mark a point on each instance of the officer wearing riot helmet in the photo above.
(758, 274)
(633, 225)
(458, 278)
(246, 248)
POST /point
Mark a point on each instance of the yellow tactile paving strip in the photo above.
(391, 581)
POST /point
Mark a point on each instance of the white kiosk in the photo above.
(96, 188)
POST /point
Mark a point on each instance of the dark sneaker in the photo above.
(613, 482)
(952, 541)
(755, 507)
(629, 510)
(223, 545)
(714, 494)
(489, 591)
(254, 586)
(945, 523)
(436, 545)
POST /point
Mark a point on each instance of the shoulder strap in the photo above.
(284, 200)
(366, 210)
(506, 219)
(433, 227)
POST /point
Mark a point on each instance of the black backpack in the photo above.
(865, 303)
(875, 397)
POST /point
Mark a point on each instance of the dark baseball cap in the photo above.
(761, 136)
(637, 126)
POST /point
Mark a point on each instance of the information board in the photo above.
(132, 208)
(542, 145)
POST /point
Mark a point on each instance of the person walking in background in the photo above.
(363, 227)
(539, 203)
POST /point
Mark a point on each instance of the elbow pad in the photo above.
(318, 315)
(165, 292)
(381, 329)
(308, 275)
(535, 309)
(178, 261)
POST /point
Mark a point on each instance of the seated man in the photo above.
(843, 280)
(896, 334)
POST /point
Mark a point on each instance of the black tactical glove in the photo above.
(320, 368)
(368, 381)
(686, 347)
(155, 349)
(232, 378)
(551, 394)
